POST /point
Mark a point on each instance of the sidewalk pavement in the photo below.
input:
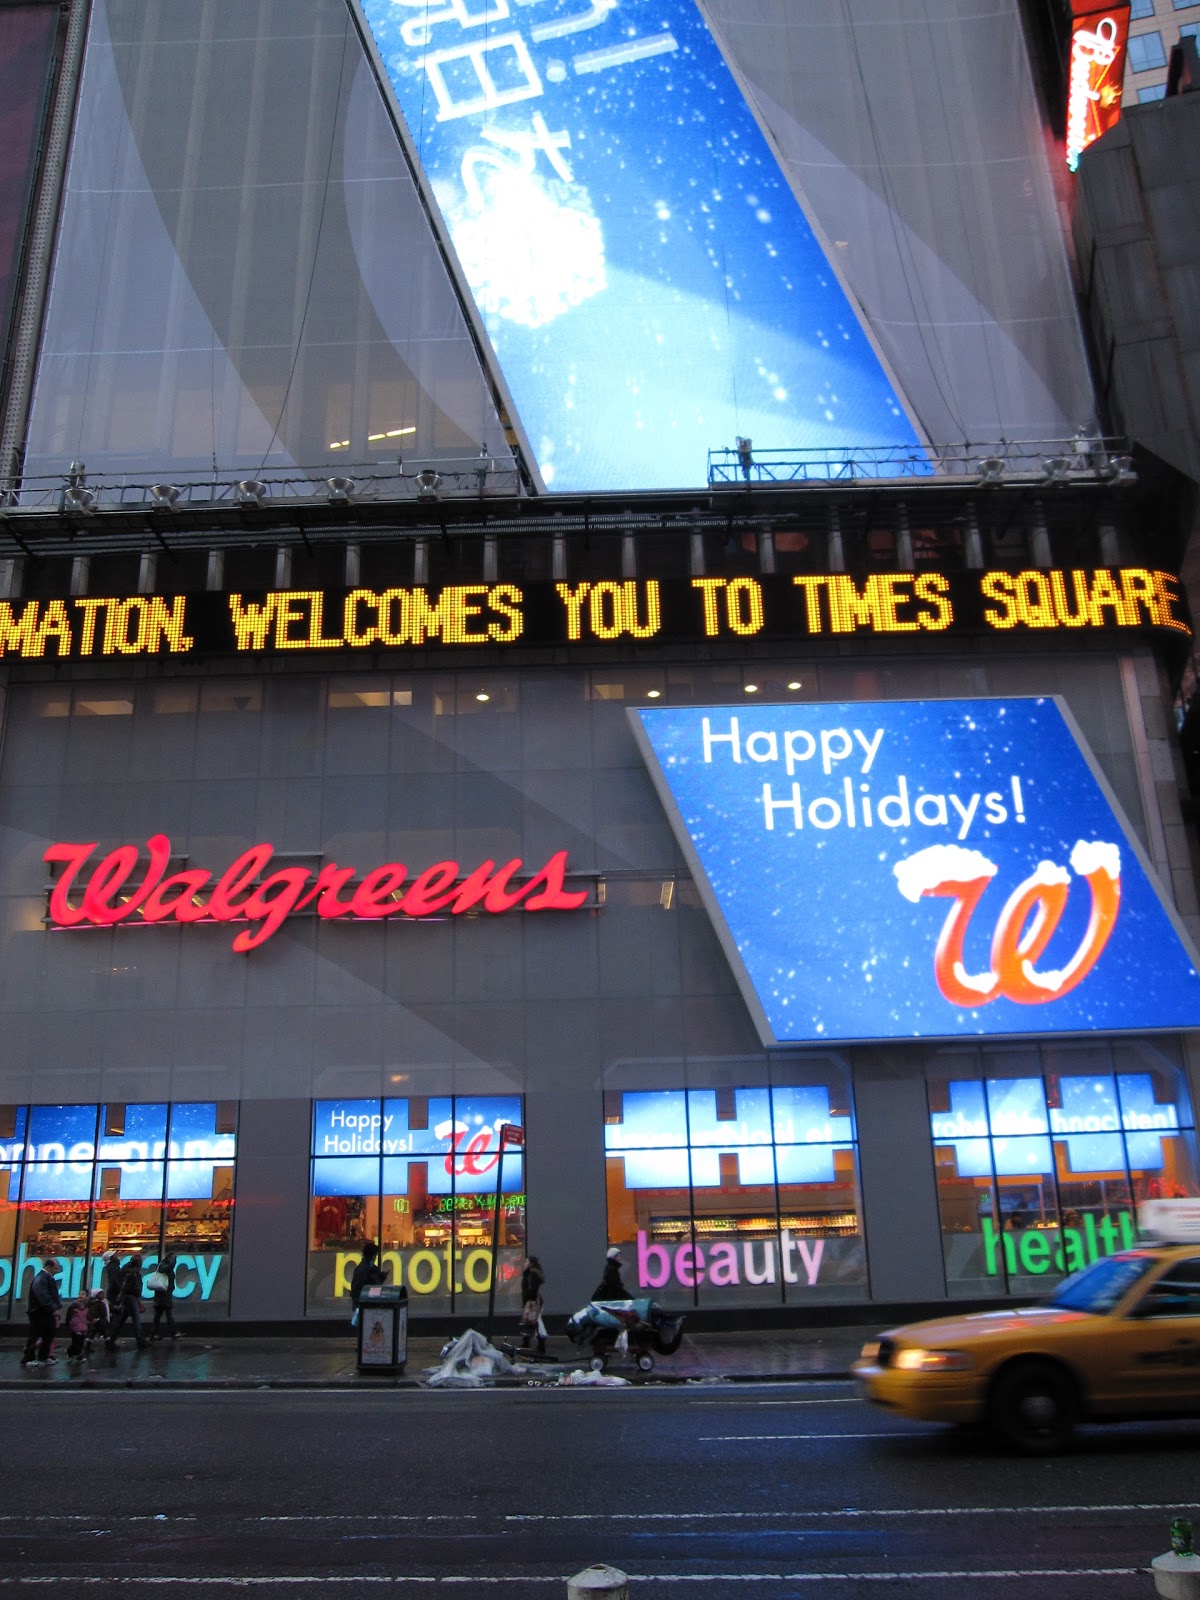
(233, 1362)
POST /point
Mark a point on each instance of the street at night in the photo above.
(766, 1489)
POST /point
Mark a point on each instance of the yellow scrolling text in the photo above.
(140, 625)
(296, 619)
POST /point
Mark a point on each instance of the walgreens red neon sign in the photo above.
(243, 894)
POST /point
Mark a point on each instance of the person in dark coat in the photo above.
(366, 1274)
(42, 1307)
(130, 1304)
(532, 1280)
(610, 1286)
(164, 1300)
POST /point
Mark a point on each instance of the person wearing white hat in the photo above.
(112, 1278)
(610, 1286)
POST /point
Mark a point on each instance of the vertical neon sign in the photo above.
(1096, 70)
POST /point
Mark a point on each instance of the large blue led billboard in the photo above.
(648, 279)
(919, 869)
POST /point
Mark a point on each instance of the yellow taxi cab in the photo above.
(1119, 1340)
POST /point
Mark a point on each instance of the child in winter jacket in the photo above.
(77, 1325)
(97, 1319)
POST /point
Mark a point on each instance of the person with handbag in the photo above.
(130, 1302)
(532, 1280)
(162, 1282)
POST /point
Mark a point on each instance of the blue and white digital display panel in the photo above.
(648, 280)
(364, 1147)
(787, 1135)
(1105, 1123)
(912, 869)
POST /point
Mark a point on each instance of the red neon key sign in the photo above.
(243, 894)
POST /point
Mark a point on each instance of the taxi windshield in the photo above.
(1098, 1288)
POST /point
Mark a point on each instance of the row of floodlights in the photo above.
(247, 492)
(1058, 469)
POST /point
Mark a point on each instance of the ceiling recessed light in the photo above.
(482, 696)
(653, 694)
(795, 686)
(751, 688)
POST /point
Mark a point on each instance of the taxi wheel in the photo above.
(1033, 1408)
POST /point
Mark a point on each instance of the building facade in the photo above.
(582, 677)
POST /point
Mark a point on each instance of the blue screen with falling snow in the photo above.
(887, 869)
(647, 278)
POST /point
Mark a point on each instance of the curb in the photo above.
(369, 1381)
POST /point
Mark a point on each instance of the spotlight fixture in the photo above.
(990, 469)
(251, 491)
(165, 496)
(428, 484)
(1111, 468)
(340, 490)
(1056, 468)
(77, 498)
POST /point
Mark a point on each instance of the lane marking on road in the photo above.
(397, 1580)
(844, 1511)
(741, 1439)
(91, 1516)
(372, 1516)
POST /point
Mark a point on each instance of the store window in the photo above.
(78, 1180)
(737, 1197)
(418, 1177)
(1043, 1155)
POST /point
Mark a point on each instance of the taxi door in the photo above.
(1155, 1352)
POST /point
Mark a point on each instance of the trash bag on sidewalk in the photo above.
(575, 1379)
(469, 1362)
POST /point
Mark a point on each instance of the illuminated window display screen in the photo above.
(418, 1177)
(736, 1196)
(598, 168)
(78, 1180)
(1043, 1157)
(919, 869)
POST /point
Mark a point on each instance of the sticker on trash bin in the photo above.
(378, 1336)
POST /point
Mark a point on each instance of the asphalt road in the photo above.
(768, 1490)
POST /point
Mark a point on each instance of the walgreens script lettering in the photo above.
(243, 894)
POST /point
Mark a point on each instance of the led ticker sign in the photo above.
(1094, 77)
(465, 616)
(246, 892)
(919, 869)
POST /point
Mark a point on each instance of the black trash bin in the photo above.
(383, 1329)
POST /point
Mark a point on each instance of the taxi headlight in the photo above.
(870, 1350)
(932, 1361)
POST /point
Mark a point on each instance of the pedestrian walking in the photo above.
(76, 1324)
(366, 1274)
(610, 1286)
(162, 1281)
(111, 1279)
(42, 1307)
(129, 1304)
(532, 1280)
